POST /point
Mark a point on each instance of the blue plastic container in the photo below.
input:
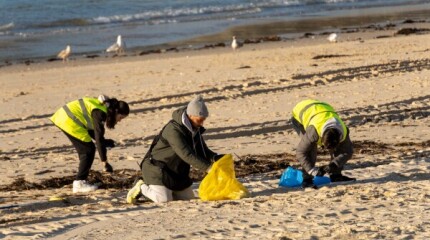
(292, 177)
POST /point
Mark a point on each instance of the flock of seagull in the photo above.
(119, 47)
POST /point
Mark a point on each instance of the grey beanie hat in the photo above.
(197, 107)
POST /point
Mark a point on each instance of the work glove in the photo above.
(109, 143)
(107, 168)
(317, 171)
(217, 157)
(308, 183)
(331, 168)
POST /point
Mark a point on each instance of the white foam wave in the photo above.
(7, 27)
(170, 13)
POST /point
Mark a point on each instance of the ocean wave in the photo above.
(169, 14)
(7, 27)
(180, 14)
(73, 22)
(207, 12)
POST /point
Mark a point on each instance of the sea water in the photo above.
(41, 28)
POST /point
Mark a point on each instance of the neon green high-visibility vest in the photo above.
(75, 117)
(316, 113)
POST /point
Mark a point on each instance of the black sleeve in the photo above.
(209, 153)
(307, 149)
(343, 152)
(180, 146)
(99, 118)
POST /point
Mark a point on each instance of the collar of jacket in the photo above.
(186, 122)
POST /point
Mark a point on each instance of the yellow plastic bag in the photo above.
(221, 182)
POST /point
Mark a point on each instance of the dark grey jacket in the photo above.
(179, 150)
(307, 150)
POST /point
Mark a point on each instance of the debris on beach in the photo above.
(407, 31)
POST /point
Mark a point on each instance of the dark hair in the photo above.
(330, 138)
(115, 107)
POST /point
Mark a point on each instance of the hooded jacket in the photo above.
(180, 147)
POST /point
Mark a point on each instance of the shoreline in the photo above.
(263, 31)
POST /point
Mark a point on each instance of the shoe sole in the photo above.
(133, 193)
(86, 191)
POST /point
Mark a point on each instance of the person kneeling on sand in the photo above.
(179, 145)
(318, 124)
(83, 120)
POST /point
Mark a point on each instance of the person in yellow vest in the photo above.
(83, 121)
(318, 124)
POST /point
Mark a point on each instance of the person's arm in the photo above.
(179, 145)
(209, 153)
(307, 149)
(99, 118)
(343, 152)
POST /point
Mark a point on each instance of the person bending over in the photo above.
(318, 124)
(83, 122)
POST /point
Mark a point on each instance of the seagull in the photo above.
(332, 38)
(118, 47)
(235, 44)
(65, 53)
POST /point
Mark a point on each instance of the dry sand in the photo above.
(380, 87)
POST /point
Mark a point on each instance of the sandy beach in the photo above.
(377, 79)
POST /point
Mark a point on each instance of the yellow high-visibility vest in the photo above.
(316, 113)
(75, 117)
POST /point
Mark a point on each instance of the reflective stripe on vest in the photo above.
(310, 105)
(84, 113)
(75, 117)
(316, 113)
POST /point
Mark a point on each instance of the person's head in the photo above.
(197, 112)
(330, 138)
(116, 111)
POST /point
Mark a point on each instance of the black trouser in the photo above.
(86, 152)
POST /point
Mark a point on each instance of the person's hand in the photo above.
(107, 167)
(317, 171)
(218, 157)
(331, 168)
(109, 143)
(308, 183)
(209, 169)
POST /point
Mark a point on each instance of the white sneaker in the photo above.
(81, 186)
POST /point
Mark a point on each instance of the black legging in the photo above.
(86, 152)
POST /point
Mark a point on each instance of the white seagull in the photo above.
(332, 37)
(118, 47)
(235, 44)
(65, 53)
